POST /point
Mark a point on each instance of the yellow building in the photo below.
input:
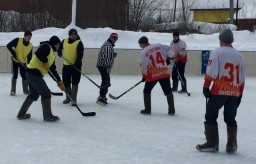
(218, 15)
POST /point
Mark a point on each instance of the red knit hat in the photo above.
(113, 34)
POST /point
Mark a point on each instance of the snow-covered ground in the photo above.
(94, 38)
(119, 134)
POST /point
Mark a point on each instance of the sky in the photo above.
(119, 134)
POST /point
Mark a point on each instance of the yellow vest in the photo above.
(69, 51)
(22, 51)
(35, 63)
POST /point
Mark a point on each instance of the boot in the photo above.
(102, 100)
(147, 104)
(74, 94)
(183, 87)
(24, 108)
(231, 146)
(25, 87)
(175, 86)
(212, 139)
(68, 91)
(170, 101)
(47, 111)
(13, 89)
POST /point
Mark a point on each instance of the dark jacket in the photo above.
(79, 50)
(41, 53)
(14, 43)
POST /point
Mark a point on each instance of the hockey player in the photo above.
(104, 64)
(154, 69)
(73, 51)
(225, 70)
(180, 61)
(21, 50)
(42, 62)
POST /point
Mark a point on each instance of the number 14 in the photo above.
(159, 59)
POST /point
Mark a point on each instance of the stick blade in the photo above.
(89, 114)
(112, 97)
(57, 93)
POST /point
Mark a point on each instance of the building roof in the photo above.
(201, 9)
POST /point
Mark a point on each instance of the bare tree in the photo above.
(142, 12)
(185, 15)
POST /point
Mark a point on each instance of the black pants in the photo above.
(15, 69)
(105, 81)
(165, 84)
(179, 66)
(70, 75)
(37, 86)
(215, 103)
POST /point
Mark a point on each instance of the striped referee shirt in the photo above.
(106, 55)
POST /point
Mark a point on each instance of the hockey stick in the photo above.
(84, 114)
(57, 93)
(81, 72)
(115, 98)
(180, 77)
(74, 104)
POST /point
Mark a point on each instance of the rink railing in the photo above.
(127, 62)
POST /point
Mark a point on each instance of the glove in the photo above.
(239, 100)
(168, 62)
(143, 79)
(115, 54)
(61, 85)
(46, 66)
(206, 92)
(108, 70)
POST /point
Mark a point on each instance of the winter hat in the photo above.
(113, 34)
(54, 40)
(27, 33)
(176, 33)
(226, 36)
(72, 31)
(143, 40)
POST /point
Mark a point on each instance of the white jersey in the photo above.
(153, 61)
(226, 69)
(180, 49)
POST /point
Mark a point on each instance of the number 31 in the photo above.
(233, 70)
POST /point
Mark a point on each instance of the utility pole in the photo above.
(184, 15)
(231, 17)
(174, 13)
(237, 5)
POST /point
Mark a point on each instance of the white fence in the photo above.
(127, 62)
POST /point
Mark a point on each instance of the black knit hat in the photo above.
(176, 33)
(72, 31)
(143, 40)
(226, 36)
(54, 40)
(27, 33)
